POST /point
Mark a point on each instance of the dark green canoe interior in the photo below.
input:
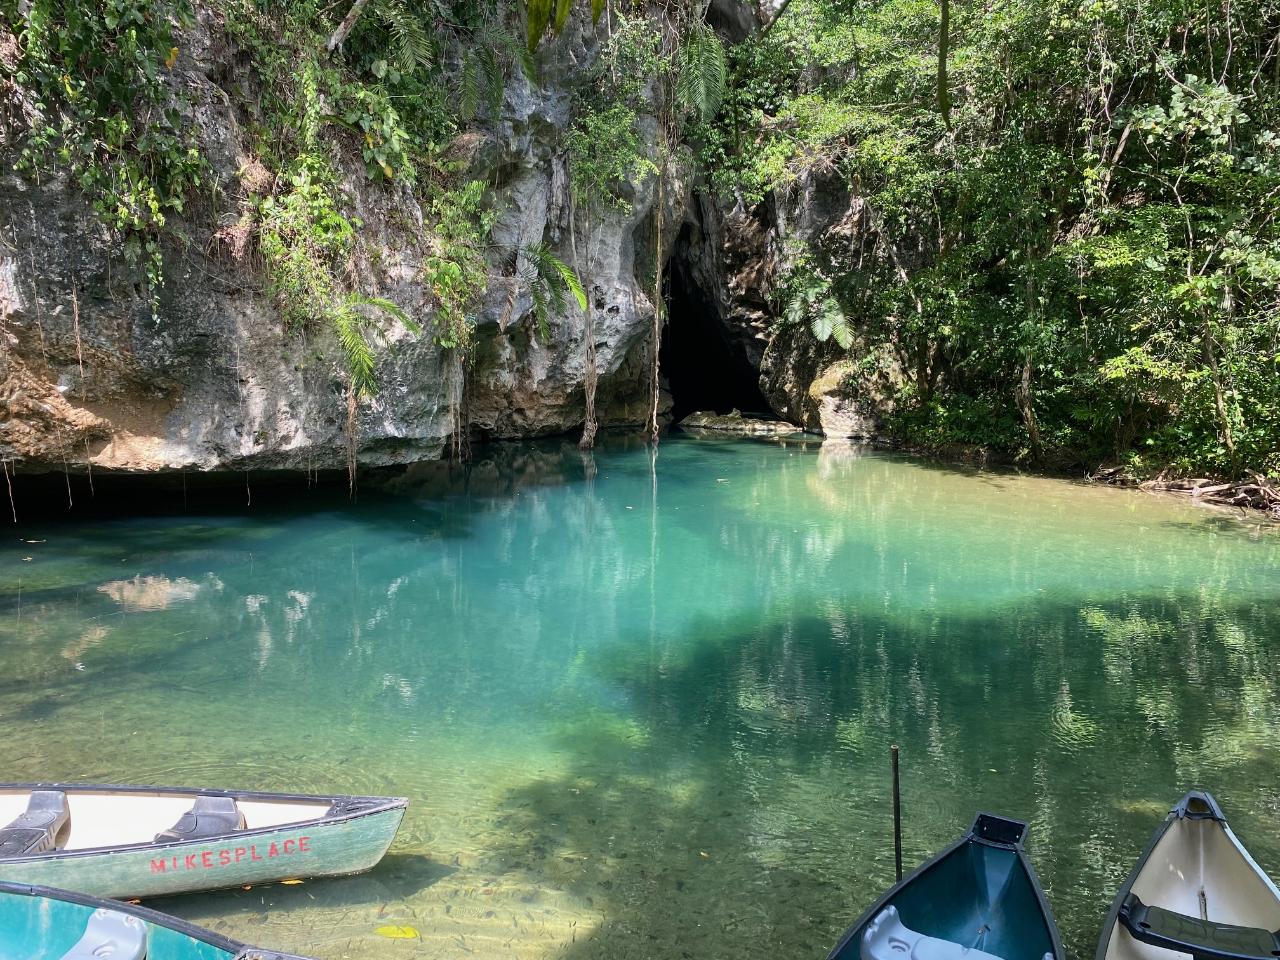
(42, 928)
(977, 896)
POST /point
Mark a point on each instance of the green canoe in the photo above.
(112, 841)
(38, 923)
(977, 900)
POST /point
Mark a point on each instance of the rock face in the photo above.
(737, 256)
(210, 380)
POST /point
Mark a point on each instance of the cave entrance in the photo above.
(705, 368)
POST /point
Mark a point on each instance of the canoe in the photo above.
(39, 923)
(979, 899)
(112, 841)
(1195, 891)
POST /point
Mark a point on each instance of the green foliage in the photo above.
(543, 14)
(806, 298)
(1082, 263)
(606, 153)
(351, 320)
(456, 269)
(95, 77)
(701, 72)
(305, 242)
(550, 279)
(407, 24)
(384, 143)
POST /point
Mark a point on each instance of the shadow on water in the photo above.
(739, 808)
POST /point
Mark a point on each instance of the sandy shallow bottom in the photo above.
(644, 709)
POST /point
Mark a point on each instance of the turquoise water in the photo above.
(644, 708)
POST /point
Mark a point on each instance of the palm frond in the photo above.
(408, 27)
(550, 279)
(827, 321)
(701, 71)
(357, 351)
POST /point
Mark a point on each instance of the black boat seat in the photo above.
(888, 938)
(109, 933)
(209, 817)
(1203, 939)
(42, 827)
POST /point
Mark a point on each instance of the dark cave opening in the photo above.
(703, 366)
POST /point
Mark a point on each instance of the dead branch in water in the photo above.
(1258, 493)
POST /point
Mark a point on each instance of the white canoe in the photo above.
(113, 841)
(1195, 892)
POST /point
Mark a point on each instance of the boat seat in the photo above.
(110, 934)
(1203, 939)
(888, 938)
(209, 817)
(42, 827)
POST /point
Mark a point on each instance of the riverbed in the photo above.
(643, 703)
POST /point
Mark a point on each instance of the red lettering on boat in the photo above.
(206, 859)
(304, 844)
(224, 857)
(190, 862)
(287, 845)
(253, 853)
(240, 852)
(273, 850)
(157, 866)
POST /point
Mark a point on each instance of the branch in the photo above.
(344, 28)
(764, 31)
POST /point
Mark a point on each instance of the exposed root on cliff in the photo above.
(9, 483)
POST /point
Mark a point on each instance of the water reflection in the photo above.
(643, 704)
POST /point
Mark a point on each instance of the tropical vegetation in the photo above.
(1062, 238)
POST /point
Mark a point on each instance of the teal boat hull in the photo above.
(39, 923)
(980, 894)
(333, 845)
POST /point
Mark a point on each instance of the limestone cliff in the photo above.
(210, 379)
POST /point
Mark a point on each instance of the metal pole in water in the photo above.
(897, 817)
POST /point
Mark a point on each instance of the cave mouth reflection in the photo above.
(704, 368)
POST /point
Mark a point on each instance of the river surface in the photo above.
(643, 709)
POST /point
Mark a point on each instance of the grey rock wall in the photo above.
(89, 376)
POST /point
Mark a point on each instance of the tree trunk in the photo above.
(1022, 394)
(944, 41)
(1219, 398)
(349, 21)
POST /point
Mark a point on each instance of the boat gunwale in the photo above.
(970, 837)
(236, 948)
(382, 805)
(1179, 812)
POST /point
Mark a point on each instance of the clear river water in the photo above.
(643, 708)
